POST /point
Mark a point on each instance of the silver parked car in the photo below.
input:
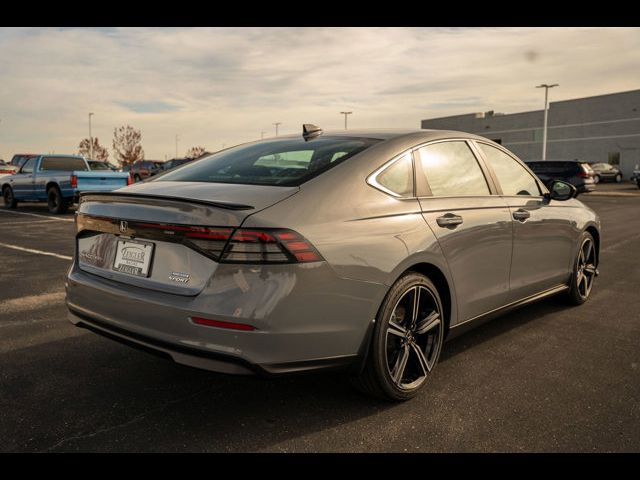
(363, 250)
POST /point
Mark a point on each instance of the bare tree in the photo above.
(99, 152)
(126, 145)
(195, 152)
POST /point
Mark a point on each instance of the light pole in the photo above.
(262, 134)
(90, 138)
(345, 118)
(277, 124)
(546, 112)
(176, 146)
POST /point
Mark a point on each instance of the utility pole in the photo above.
(90, 138)
(345, 118)
(277, 124)
(546, 112)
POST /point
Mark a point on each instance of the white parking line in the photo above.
(38, 215)
(39, 252)
(31, 302)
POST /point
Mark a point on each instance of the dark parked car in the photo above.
(604, 172)
(99, 165)
(579, 174)
(143, 169)
(175, 162)
(635, 177)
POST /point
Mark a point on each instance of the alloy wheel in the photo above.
(413, 337)
(586, 268)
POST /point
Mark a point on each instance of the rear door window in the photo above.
(451, 169)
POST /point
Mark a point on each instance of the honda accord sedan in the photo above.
(357, 249)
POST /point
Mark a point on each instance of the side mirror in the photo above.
(561, 191)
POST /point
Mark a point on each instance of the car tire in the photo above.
(584, 270)
(405, 347)
(596, 179)
(9, 200)
(137, 178)
(618, 178)
(56, 202)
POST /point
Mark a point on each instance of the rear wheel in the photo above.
(584, 271)
(57, 204)
(407, 340)
(136, 178)
(596, 179)
(9, 200)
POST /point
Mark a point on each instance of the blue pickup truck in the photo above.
(58, 179)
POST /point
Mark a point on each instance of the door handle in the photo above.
(449, 220)
(521, 215)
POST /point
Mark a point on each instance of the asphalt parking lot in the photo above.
(545, 378)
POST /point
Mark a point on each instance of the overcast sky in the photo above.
(223, 86)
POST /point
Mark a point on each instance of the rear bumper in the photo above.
(202, 359)
(312, 321)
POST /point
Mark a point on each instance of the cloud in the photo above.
(215, 86)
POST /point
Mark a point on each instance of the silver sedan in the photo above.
(361, 250)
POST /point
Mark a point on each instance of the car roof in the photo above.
(392, 133)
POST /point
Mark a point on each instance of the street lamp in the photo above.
(277, 124)
(546, 111)
(345, 118)
(176, 146)
(90, 138)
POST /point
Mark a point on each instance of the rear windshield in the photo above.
(285, 162)
(62, 164)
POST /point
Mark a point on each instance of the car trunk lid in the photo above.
(162, 237)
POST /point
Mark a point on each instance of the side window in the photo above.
(29, 165)
(398, 177)
(513, 178)
(451, 169)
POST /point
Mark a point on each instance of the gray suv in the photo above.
(356, 250)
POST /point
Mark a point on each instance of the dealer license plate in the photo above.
(133, 258)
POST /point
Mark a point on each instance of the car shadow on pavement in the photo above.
(88, 393)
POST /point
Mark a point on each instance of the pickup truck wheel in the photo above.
(9, 200)
(57, 204)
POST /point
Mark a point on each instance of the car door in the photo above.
(473, 227)
(544, 232)
(22, 182)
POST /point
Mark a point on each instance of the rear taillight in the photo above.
(129, 181)
(268, 246)
(223, 244)
(74, 181)
(243, 245)
(585, 171)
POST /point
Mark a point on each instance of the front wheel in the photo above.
(596, 179)
(584, 271)
(407, 340)
(57, 204)
(9, 200)
(618, 178)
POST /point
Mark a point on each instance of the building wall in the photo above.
(593, 129)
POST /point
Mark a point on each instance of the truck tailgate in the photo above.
(100, 181)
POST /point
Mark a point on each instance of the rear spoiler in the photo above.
(227, 205)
